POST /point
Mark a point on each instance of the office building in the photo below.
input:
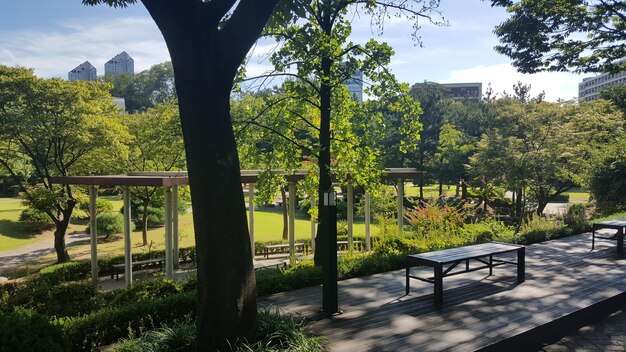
(458, 91)
(122, 63)
(355, 84)
(590, 87)
(83, 72)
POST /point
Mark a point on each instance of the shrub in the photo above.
(486, 231)
(141, 291)
(102, 206)
(35, 220)
(67, 299)
(434, 218)
(108, 224)
(106, 326)
(25, 330)
(275, 332)
(64, 272)
(576, 215)
(608, 184)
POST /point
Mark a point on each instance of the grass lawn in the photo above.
(12, 234)
(430, 191)
(576, 195)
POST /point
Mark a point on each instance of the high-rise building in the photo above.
(122, 63)
(590, 87)
(83, 72)
(458, 91)
(355, 85)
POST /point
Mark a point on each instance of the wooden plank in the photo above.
(562, 277)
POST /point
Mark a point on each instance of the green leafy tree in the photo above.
(61, 128)
(157, 145)
(434, 101)
(207, 42)
(145, 89)
(560, 35)
(317, 52)
(617, 95)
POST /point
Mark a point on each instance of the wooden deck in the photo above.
(563, 279)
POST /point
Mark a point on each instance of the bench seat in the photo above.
(482, 253)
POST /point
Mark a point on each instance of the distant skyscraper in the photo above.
(472, 91)
(82, 72)
(122, 63)
(355, 85)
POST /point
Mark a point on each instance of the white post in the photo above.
(368, 214)
(251, 215)
(292, 218)
(93, 231)
(313, 220)
(400, 204)
(168, 233)
(175, 225)
(350, 214)
(128, 269)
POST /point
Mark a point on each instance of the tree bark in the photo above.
(283, 195)
(60, 230)
(144, 221)
(205, 56)
(440, 188)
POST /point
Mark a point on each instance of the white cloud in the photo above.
(54, 52)
(557, 85)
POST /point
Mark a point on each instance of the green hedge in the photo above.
(106, 326)
(25, 330)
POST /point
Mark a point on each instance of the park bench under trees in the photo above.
(138, 265)
(619, 225)
(483, 253)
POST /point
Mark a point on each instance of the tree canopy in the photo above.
(560, 35)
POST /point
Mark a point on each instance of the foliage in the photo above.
(616, 95)
(108, 224)
(64, 272)
(142, 291)
(608, 183)
(107, 325)
(102, 205)
(146, 89)
(276, 332)
(557, 35)
(25, 330)
(51, 299)
(61, 128)
(576, 214)
(430, 217)
(35, 220)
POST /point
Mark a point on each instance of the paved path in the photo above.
(608, 334)
(14, 258)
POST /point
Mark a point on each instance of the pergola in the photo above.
(171, 180)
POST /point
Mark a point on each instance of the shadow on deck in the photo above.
(566, 286)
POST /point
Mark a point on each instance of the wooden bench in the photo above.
(344, 245)
(482, 253)
(119, 268)
(619, 225)
(284, 248)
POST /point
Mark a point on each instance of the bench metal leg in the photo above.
(593, 238)
(438, 284)
(407, 288)
(521, 264)
(490, 265)
(620, 240)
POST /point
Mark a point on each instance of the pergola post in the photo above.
(368, 215)
(128, 269)
(292, 218)
(251, 216)
(350, 214)
(169, 268)
(93, 231)
(313, 220)
(400, 204)
(176, 259)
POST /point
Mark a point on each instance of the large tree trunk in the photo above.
(144, 221)
(205, 56)
(59, 233)
(283, 195)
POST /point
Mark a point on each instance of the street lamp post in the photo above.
(330, 291)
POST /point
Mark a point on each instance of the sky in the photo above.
(53, 37)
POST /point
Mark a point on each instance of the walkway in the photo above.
(562, 279)
(15, 258)
(609, 334)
